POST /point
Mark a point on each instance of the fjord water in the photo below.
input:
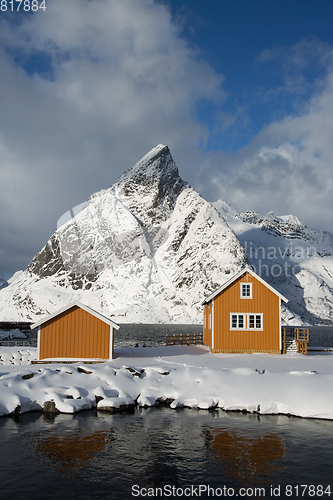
(154, 335)
(93, 455)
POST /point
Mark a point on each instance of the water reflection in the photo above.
(247, 457)
(71, 450)
(100, 453)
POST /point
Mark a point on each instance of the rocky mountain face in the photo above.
(293, 258)
(148, 249)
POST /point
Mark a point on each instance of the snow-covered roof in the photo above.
(238, 275)
(81, 306)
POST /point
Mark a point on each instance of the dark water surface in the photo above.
(154, 335)
(150, 335)
(93, 455)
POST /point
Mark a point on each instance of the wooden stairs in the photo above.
(295, 340)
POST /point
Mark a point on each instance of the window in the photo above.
(247, 321)
(246, 290)
(255, 321)
(237, 321)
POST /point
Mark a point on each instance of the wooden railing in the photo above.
(301, 337)
(184, 339)
(301, 334)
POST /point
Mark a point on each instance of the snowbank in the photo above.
(182, 376)
(17, 355)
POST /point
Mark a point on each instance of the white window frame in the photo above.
(244, 321)
(241, 290)
(255, 328)
(247, 322)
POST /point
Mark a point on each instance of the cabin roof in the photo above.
(81, 306)
(235, 277)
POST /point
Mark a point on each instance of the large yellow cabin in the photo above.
(244, 315)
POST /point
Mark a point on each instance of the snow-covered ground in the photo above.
(186, 375)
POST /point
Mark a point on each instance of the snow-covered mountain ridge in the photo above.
(150, 249)
(295, 259)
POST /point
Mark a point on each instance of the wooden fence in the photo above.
(184, 339)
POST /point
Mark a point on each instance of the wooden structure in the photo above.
(295, 339)
(244, 315)
(186, 339)
(75, 332)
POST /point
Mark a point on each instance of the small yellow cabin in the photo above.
(75, 332)
(244, 315)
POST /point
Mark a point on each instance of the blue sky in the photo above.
(240, 90)
(233, 36)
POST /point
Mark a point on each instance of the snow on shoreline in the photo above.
(189, 376)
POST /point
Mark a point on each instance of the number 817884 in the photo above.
(26, 5)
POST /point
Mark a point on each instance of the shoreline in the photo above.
(182, 376)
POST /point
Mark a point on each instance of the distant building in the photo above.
(75, 332)
(244, 315)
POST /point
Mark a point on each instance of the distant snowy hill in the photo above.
(295, 259)
(148, 249)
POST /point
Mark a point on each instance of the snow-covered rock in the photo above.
(148, 249)
(189, 376)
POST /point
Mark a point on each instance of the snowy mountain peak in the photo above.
(153, 181)
(148, 249)
(224, 208)
(157, 166)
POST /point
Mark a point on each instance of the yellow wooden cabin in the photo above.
(75, 332)
(244, 315)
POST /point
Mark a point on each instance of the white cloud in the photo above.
(288, 168)
(120, 81)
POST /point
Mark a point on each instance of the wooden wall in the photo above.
(75, 334)
(228, 301)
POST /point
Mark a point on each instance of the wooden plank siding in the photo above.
(75, 334)
(223, 339)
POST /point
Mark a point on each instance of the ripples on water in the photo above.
(93, 455)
